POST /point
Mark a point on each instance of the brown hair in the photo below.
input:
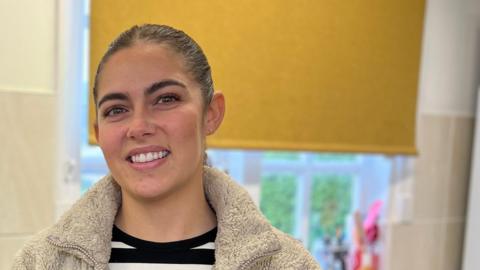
(195, 60)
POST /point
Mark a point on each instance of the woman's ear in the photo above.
(215, 113)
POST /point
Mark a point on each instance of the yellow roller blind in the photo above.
(319, 75)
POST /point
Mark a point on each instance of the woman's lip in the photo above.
(140, 166)
(145, 149)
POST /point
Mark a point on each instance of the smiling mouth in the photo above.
(148, 156)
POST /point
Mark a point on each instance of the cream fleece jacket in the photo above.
(245, 240)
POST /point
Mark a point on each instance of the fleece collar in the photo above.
(243, 236)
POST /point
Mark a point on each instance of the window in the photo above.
(311, 196)
(278, 200)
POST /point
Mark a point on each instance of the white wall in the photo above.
(431, 237)
(28, 114)
(450, 76)
(471, 260)
(27, 48)
(450, 69)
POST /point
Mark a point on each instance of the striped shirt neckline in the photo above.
(194, 253)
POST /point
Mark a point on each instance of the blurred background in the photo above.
(351, 124)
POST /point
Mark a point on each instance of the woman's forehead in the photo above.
(143, 62)
(147, 54)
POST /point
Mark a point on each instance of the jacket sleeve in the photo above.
(304, 260)
(22, 260)
(293, 255)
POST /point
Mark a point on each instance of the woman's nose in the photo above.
(140, 126)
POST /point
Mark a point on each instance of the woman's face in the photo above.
(151, 122)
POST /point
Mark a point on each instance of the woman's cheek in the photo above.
(187, 127)
(110, 138)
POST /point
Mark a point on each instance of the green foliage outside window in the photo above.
(331, 200)
(334, 157)
(277, 200)
(295, 156)
(281, 156)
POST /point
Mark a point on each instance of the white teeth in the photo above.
(150, 156)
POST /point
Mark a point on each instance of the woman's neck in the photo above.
(182, 215)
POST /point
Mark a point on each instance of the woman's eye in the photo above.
(167, 99)
(114, 111)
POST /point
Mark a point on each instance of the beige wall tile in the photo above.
(432, 166)
(433, 240)
(27, 140)
(400, 250)
(28, 54)
(9, 245)
(415, 246)
(452, 252)
(457, 182)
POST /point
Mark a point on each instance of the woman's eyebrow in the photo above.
(112, 96)
(148, 91)
(162, 84)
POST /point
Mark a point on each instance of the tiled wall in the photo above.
(28, 149)
(433, 238)
(28, 119)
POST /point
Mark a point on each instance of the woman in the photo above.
(160, 208)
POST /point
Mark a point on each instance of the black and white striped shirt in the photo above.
(130, 253)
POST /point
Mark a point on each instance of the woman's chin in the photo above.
(153, 190)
